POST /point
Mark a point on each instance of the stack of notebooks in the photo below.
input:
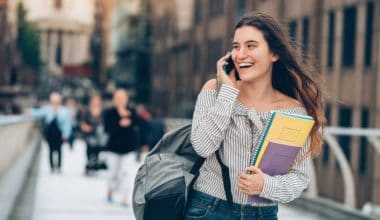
(282, 139)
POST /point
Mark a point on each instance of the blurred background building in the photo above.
(102, 55)
(9, 58)
(130, 44)
(65, 28)
(8, 30)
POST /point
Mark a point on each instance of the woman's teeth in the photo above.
(245, 65)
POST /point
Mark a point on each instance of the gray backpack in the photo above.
(164, 182)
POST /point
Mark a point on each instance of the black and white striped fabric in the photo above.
(222, 118)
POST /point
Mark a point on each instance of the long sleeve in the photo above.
(211, 118)
(39, 112)
(285, 188)
(65, 123)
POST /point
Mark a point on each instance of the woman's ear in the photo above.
(275, 57)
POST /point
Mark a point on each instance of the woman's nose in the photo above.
(241, 53)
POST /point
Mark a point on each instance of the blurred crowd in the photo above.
(122, 131)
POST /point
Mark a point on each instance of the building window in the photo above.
(349, 32)
(241, 6)
(58, 54)
(58, 4)
(214, 53)
(305, 37)
(196, 59)
(197, 12)
(345, 115)
(292, 27)
(133, 28)
(216, 8)
(368, 35)
(1, 21)
(363, 143)
(330, 40)
(326, 151)
(328, 113)
(165, 63)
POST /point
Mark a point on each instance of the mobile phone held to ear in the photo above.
(230, 66)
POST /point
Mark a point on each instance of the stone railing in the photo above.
(20, 140)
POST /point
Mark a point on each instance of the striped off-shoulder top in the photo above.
(221, 118)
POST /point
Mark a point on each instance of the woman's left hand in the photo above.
(251, 184)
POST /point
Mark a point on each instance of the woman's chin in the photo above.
(245, 74)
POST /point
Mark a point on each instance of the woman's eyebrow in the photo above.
(247, 42)
(251, 41)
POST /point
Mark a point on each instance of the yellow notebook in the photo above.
(283, 128)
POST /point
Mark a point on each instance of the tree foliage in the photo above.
(27, 39)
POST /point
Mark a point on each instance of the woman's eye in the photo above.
(236, 47)
(251, 46)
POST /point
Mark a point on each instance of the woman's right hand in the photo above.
(228, 79)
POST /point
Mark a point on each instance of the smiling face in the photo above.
(55, 100)
(251, 54)
(120, 98)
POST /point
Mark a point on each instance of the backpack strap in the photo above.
(195, 170)
(197, 165)
(226, 178)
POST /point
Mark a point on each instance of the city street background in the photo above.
(162, 52)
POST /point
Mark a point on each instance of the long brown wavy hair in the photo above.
(290, 75)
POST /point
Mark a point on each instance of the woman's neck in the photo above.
(257, 94)
(120, 107)
(122, 111)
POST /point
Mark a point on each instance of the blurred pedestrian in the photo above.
(122, 126)
(154, 127)
(91, 125)
(146, 117)
(71, 105)
(57, 128)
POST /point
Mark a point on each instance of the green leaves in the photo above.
(27, 40)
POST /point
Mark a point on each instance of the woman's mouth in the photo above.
(245, 65)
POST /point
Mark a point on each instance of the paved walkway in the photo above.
(72, 195)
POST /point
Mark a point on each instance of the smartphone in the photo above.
(230, 66)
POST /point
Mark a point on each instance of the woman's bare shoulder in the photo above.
(288, 102)
(293, 103)
(210, 84)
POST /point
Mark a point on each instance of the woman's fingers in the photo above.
(220, 63)
(225, 78)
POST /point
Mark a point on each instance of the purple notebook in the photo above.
(277, 160)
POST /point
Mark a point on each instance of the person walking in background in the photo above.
(91, 125)
(57, 128)
(122, 125)
(71, 105)
(146, 117)
(154, 127)
(270, 76)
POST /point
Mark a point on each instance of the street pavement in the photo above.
(71, 195)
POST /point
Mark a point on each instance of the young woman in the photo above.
(272, 77)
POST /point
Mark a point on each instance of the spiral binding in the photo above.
(261, 140)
